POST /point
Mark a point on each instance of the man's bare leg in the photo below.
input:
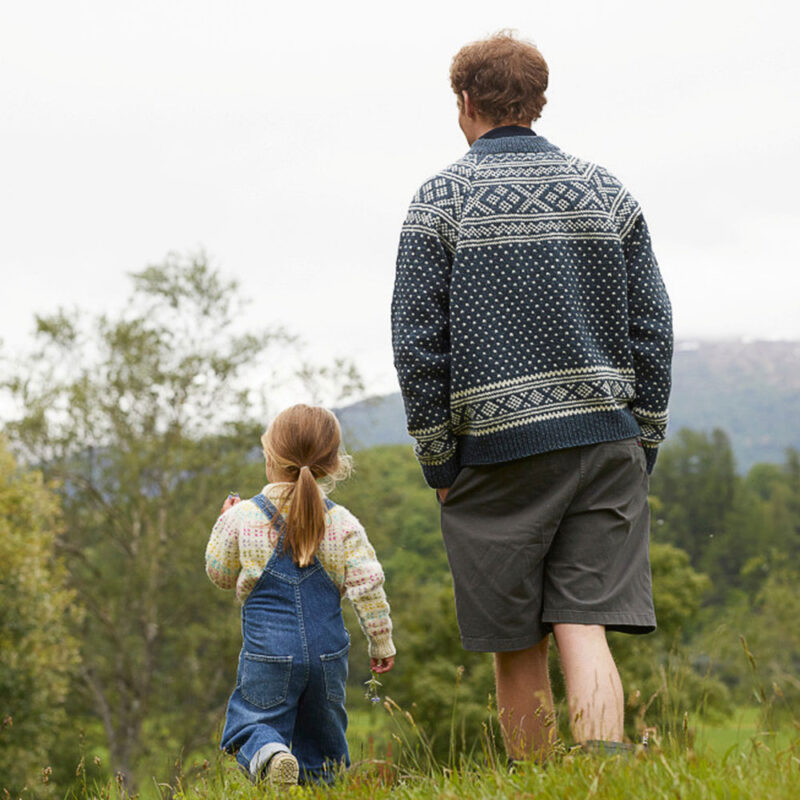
(594, 688)
(525, 702)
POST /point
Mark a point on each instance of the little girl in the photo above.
(292, 555)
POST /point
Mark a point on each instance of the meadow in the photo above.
(734, 758)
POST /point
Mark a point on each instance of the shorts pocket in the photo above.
(334, 670)
(457, 479)
(265, 679)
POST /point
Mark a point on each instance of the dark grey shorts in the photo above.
(555, 537)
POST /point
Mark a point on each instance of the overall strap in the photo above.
(271, 512)
(282, 563)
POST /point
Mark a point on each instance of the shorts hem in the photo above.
(490, 644)
(621, 621)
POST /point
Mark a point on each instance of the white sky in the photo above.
(287, 140)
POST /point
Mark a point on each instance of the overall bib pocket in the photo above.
(334, 670)
(265, 679)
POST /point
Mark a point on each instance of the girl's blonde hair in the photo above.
(302, 446)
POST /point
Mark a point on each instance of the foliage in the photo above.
(734, 528)
(398, 510)
(757, 647)
(39, 654)
(695, 480)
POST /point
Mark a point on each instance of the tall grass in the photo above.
(675, 763)
(672, 765)
(757, 773)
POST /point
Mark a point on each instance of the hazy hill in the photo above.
(750, 389)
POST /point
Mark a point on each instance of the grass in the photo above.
(739, 733)
(760, 773)
(726, 760)
(393, 758)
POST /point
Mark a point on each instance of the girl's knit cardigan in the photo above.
(242, 543)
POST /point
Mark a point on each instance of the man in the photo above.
(533, 340)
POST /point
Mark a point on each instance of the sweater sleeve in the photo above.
(363, 585)
(421, 328)
(222, 552)
(650, 333)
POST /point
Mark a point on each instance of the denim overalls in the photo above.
(290, 685)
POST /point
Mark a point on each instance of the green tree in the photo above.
(695, 484)
(756, 643)
(148, 419)
(760, 532)
(39, 653)
(399, 512)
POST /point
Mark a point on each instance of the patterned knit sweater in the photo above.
(529, 313)
(242, 543)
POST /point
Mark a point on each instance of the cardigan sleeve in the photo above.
(421, 328)
(363, 585)
(222, 552)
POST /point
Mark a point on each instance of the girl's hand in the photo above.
(381, 664)
(231, 501)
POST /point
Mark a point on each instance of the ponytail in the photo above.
(302, 446)
(305, 519)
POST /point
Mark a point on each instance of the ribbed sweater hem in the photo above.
(442, 475)
(547, 435)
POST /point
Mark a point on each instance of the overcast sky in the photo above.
(287, 140)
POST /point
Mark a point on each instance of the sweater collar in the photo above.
(512, 143)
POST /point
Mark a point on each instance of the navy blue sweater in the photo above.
(529, 313)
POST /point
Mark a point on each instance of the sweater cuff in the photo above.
(381, 646)
(442, 476)
(650, 454)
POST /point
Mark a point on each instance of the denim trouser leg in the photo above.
(248, 728)
(320, 741)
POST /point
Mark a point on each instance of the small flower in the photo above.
(373, 684)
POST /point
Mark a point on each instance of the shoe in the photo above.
(282, 770)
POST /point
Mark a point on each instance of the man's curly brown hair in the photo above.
(505, 78)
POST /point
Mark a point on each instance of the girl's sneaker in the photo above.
(282, 770)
